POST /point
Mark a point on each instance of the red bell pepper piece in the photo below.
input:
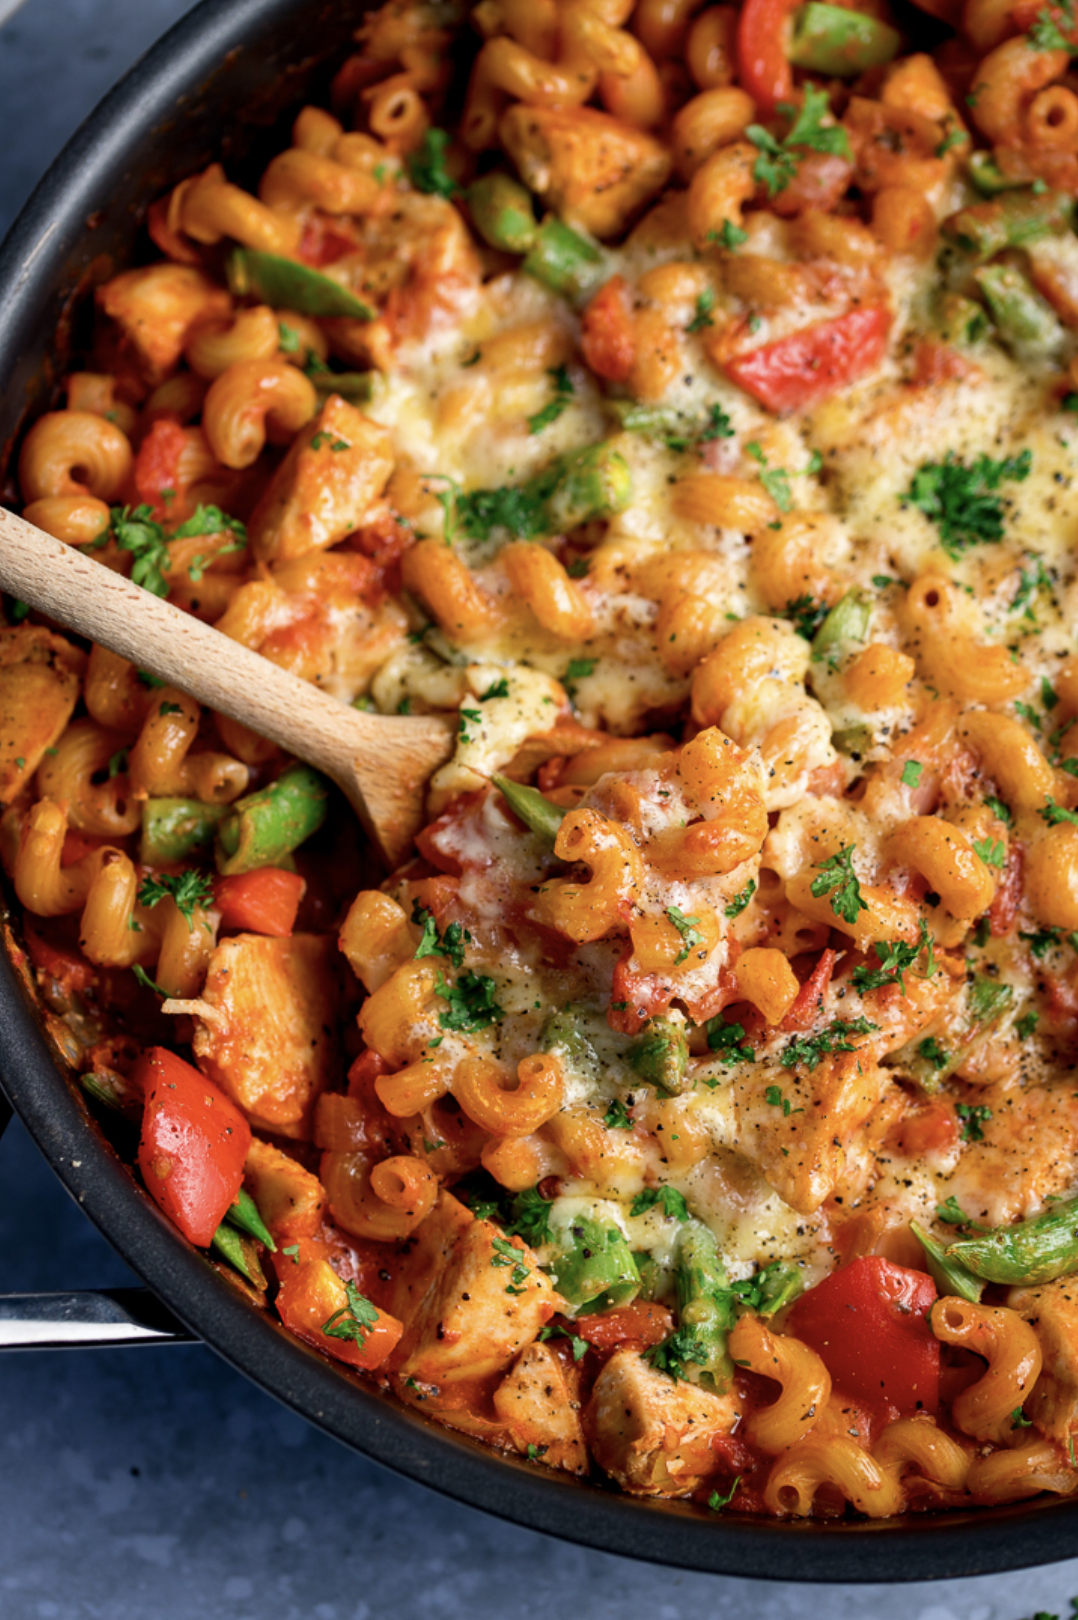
(193, 1145)
(812, 364)
(261, 902)
(762, 65)
(868, 1324)
(606, 332)
(638, 1323)
(312, 1298)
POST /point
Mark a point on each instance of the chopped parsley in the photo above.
(736, 906)
(1029, 584)
(117, 764)
(520, 508)
(999, 810)
(911, 773)
(136, 533)
(961, 499)
(1045, 33)
(150, 984)
(838, 879)
(426, 166)
(728, 1040)
(530, 1217)
(973, 1117)
(807, 614)
(471, 1002)
(563, 393)
(498, 690)
(776, 165)
(578, 670)
(468, 717)
(835, 1038)
(988, 998)
(731, 236)
(287, 338)
(353, 1320)
(675, 1353)
(992, 851)
(507, 1254)
(189, 889)
(1054, 814)
(324, 437)
(616, 1117)
(950, 1213)
(704, 305)
(211, 520)
(776, 480)
(717, 1502)
(554, 1330)
(1019, 1419)
(673, 1204)
(689, 929)
(718, 426)
(17, 612)
(1025, 1025)
(895, 956)
(774, 1098)
(1029, 715)
(932, 1052)
(292, 1252)
(450, 944)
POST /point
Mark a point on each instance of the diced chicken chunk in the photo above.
(323, 617)
(1052, 1312)
(39, 686)
(425, 1256)
(154, 310)
(325, 486)
(593, 170)
(488, 1301)
(1025, 1153)
(652, 1434)
(539, 1409)
(290, 1199)
(269, 1034)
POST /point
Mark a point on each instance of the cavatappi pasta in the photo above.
(686, 399)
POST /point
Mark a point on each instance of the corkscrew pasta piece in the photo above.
(804, 1380)
(824, 1474)
(77, 520)
(589, 911)
(482, 1089)
(251, 399)
(161, 763)
(74, 453)
(1013, 1352)
(209, 207)
(107, 809)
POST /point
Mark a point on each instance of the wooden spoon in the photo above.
(381, 763)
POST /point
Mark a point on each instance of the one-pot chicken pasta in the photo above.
(684, 399)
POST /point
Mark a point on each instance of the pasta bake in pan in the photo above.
(684, 398)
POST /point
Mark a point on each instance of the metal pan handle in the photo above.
(88, 1320)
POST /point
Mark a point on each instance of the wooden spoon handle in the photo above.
(361, 752)
(78, 592)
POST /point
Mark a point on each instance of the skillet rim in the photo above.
(208, 44)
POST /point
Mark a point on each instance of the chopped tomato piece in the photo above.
(261, 902)
(806, 1009)
(638, 1323)
(158, 468)
(312, 1298)
(808, 366)
(868, 1324)
(763, 67)
(606, 332)
(193, 1145)
(1004, 908)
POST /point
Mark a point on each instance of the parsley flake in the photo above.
(450, 944)
(507, 1254)
(471, 1003)
(689, 929)
(838, 879)
(717, 1502)
(617, 1117)
(992, 851)
(673, 1204)
(353, 1320)
(835, 1038)
(426, 166)
(705, 303)
(189, 889)
(960, 499)
(911, 773)
(973, 1117)
(776, 165)
(563, 393)
(736, 906)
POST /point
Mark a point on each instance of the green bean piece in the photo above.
(948, 1275)
(596, 1267)
(989, 178)
(244, 1214)
(848, 620)
(959, 321)
(565, 261)
(1033, 1251)
(239, 1252)
(1027, 322)
(174, 829)
(654, 1279)
(1013, 219)
(114, 1092)
(268, 825)
(828, 39)
(561, 1032)
(778, 1286)
(534, 808)
(287, 284)
(592, 483)
(660, 1055)
(501, 210)
(354, 386)
(706, 1306)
